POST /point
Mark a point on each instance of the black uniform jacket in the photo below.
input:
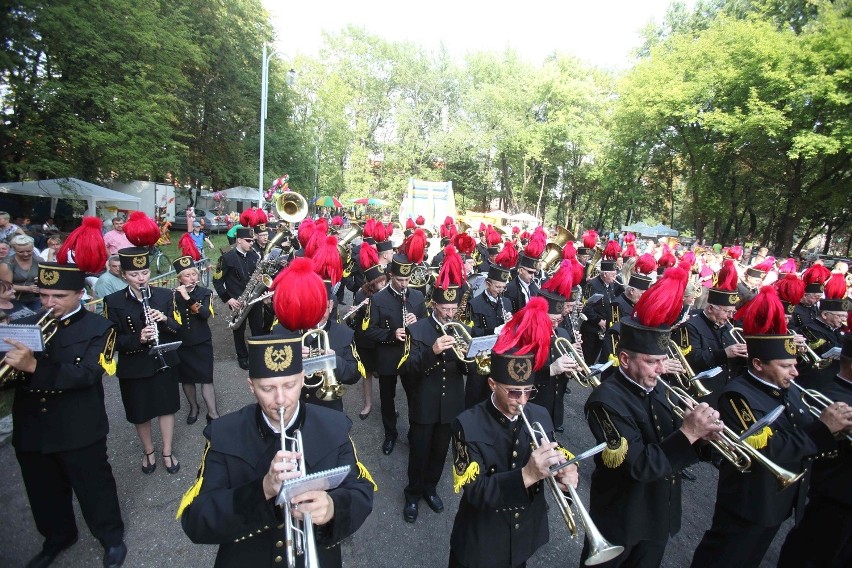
(515, 296)
(436, 382)
(60, 406)
(385, 313)
(797, 438)
(820, 338)
(231, 509)
(602, 309)
(235, 270)
(803, 315)
(638, 498)
(194, 327)
(360, 320)
(500, 523)
(125, 311)
(832, 475)
(546, 384)
(486, 315)
(703, 345)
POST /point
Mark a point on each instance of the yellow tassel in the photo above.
(565, 453)
(686, 351)
(366, 323)
(614, 360)
(405, 352)
(614, 458)
(211, 307)
(177, 318)
(469, 475)
(109, 366)
(193, 491)
(364, 473)
(758, 441)
(361, 369)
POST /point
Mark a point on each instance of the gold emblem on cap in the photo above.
(505, 276)
(278, 359)
(733, 298)
(790, 346)
(48, 277)
(520, 369)
(404, 269)
(185, 261)
(450, 294)
(560, 306)
(846, 306)
(663, 341)
(139, 261)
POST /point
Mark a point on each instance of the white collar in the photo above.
(276, 427)
(489, 296)
(66, 316)
(767, 383)
(646, 389)
(509, 418)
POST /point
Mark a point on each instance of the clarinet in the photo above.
(507, 315)
(145, 291)
(404, 308)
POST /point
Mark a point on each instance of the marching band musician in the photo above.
(414, 247)
(521, 288)
(435, 376)
(148, 389)
(636, 485)
(386, 326)
(622, 307)
(60, 423)
(808, 310)
(502, 516)
(244, 465)
(261, 238)
(599, 314)
(749, 506)
(825, 332)
(192, 306)
(230, 280)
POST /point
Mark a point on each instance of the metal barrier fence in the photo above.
(169, 279)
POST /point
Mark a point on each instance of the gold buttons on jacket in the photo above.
(279, 544)
(278, 560)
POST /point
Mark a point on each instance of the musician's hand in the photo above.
(234, 304)
(538, 466)
(156, 315)
(701, 422)
(400, 334)
(564, 364)
(20, 357)
(602, 324)
(837, 416)
(182, 291)
(672, 366)
(568, 476)
(800, 340)
(284, 466)
(306, 351)
(441, 344)
(318, 503)
(410, 319)
(147, 334)
(736, 350)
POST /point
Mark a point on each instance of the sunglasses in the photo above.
(517, 394)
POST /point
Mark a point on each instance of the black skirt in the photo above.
(368, 358)
(196, 363)
(149, 397)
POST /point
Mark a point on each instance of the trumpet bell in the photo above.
(290, 206)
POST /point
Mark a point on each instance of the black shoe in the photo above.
(175, 464)
(209, 419)
(409, 512)
(114, 556)
(434, 502)
(243, 363)
(49, 553)
(687, 475)
(364, 415)
(150, 465)
(387, 448)
(192, 418)
(560, 429)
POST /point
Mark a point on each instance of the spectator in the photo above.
(53, 244)
(109, 282)
(7, 228)
(49, 227)
(5, 250)
(21, 270)
(14, 309)
(116, 239)
(199, 237)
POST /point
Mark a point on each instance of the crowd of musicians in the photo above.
(689, 354)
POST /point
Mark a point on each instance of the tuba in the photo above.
(48, 326)
(320, 364)
(290, 206)
(462, 338)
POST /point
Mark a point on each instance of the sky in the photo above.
(599, 32)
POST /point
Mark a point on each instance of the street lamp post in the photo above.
(264, 99)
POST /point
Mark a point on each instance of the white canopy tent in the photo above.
(68, 188)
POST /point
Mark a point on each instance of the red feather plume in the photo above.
(645, 264)
(629, 238)
(493, 238)
(562, 280)
(816, 274)
(507, 257)
(590, 239)
(86, 244)
(188, 248)
(766, 265)
(788, 267)
(727, 278)
(578, 271)
(300, 299)
(141, 230)
(321, 225)
(735, 252)
(337, 221)
(448, 220)
(464, 243)
(368, 256)
(306, 229)
(516, 230)
(835, 287)
(327, 261)
(629, 251)
(529, 331)
(688, 257)
(389, 229)
(420, 220)
(260, 217)
(452, 269)
(536, 245)
(316, 241)
(663, 302)
(369, 226)
(409, 224)
(248, 218)
(667, 260)
(791, 289)
(763, 314)
(612, 250)
(380, 233)
(416, 246)
(569, 250)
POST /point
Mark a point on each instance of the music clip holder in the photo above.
(479, 345)
(832, 354)
(708, 374)
(311, 365)
(594, 299)
(318, 481)
(164, 348)
(599, 368)
(29, 335)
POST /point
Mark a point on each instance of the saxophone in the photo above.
(260, 280)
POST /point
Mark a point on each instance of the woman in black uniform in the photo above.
(191, 308)
(148, 382)
(375, 280)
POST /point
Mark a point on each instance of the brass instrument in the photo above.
(599, 549)
(738, 453)
(48, 326)
(145, 292)
(584, 376)
(810, 356)
(299, 534)
(258, 283)
(320, 364)
(462, 338)
(551, 257)
(592, 268)
(819, 402)
(686, 379)
(462, 227)
(344, 247)
(422, 275)
(736, 333)
(290, 206)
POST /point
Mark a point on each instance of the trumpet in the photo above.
(321, 364)
(736, 333)
(818, 402)
(299, 534)
(810, 356)
(462, 338)
(599, 549)
(686, 379)
(48, 325)
(738, 453)
(584, 376)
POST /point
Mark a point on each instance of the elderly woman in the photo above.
(22, 271)
(53, 244)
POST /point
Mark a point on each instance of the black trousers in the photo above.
(50, 480)
(643, 554)
(732, 541)
(387, 394)
(255, 323)
(823, 538)
(429, 445)
(475, 390)
(592, 345)
(454, 562)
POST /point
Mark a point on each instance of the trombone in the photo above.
(686, 379)
(819, 402)
(599, 549)
(584, 376)
(461, 345)
(738, 453)
(320, 364)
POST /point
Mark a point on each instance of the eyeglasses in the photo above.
(517, 394)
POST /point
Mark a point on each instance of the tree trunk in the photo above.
(540, 195)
